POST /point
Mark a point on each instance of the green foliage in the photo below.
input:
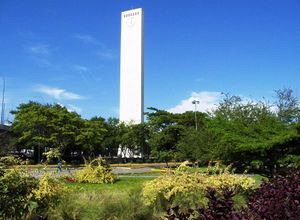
(5, 142)
(102, 205)
(97, 171)
(15, 190)
(22, 195)
(52, 155)
(112, 137)
(277, 199)
(215, 167)
(8, 161)
(48, 193)
(290, 161)
(288, 106)
(40, 126)
(253, 132)
(133, 137)
(195, 145)
(91, 135)
(184, 184)
(266, 139)
(121, 200)
(173, 136)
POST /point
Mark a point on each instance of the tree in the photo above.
(288, 106)
(112, 137)
(196, 145)
(5, 140)
(251, 134)
(134, 139)
(66, 127)
(45, 126)
(91, 136)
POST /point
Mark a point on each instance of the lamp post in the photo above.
(195, 102)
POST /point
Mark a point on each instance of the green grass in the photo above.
(122, 184)
(258, 179)
(120, 200)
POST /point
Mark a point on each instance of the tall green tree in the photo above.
(40, 126)
(250, 133)
(91, 136)
(288, 106)
(134, 140)
(196, 145)
(112, 137)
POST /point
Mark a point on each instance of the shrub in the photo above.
(23, 196)
(277, 199)
(2, 171)
(290, 161)
(48, 192)
(97, 171)
(186, 185)
(215, 167)
(15, 188)
(8, 161)
(219, 207)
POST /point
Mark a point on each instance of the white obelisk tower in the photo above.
(132, 67)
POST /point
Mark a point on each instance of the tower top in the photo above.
(132, 10)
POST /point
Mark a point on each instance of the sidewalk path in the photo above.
(115, 170)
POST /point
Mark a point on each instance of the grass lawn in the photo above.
(124, 183)
(120, 200)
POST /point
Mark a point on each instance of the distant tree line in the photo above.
(259, 136)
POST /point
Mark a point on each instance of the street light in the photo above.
(195, 102)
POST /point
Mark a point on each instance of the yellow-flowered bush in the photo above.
(49, 191)
(184, 182)
(97, 171)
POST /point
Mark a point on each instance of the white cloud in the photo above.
(207, 102)
(87, 39)
(80, 68)
(57, 93)
(103, 53)
(107, 55)
(39, 49)
(74, 108)
(71, 108)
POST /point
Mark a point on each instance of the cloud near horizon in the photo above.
(71, 108)
(57, 93)
(208, 101)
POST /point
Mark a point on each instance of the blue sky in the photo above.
(68, 52)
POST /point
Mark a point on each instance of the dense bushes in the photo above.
(189, 185)
(278, 199)
(97, 171)
(22, 195)
(219, 207)
(48, 193)
(15, 189)
(8, 161)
